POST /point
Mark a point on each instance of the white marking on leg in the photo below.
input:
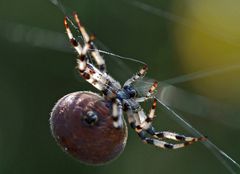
(114, 109)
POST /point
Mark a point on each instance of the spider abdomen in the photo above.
(81, 123)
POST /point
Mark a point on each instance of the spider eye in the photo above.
(70, 124)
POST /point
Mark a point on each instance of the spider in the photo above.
(122, 99)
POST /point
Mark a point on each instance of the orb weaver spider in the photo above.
(108, 109)
(123, 98)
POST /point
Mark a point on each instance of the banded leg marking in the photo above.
(149, 93)
(73, 41)
(153, 141)
(140, 74)
(173, 136)
(81, 51)
(163, 144)
(147, 126)
(117, 113)
(89, 39)
(97, 77)
(152, 89)
(92, 75)
(148, 120)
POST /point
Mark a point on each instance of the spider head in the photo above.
(130, 91)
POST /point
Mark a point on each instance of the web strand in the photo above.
(217, 152)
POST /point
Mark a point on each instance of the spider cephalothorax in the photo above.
(121, 99)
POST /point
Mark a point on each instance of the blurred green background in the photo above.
(173, 37)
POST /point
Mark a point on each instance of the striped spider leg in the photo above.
(97, 77)
(142, 124)
(94, 52)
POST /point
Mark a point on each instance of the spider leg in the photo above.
(146, 125)
(149, 93)
(141, 128)
(117, 113)
(162, 144)
(99, 80)
(153, 141)
(73, 41)
(148, 120)
(89, 39)
(90, 73)
(173, 136)
(138, 75)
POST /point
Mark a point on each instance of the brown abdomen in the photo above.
(92, 142)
